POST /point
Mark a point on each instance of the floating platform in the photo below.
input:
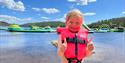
(32, 30)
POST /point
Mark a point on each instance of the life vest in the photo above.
(76, 42)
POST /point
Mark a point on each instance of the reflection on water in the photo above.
(36, 48)
(109, 48)
(12, 41)
(27, 47)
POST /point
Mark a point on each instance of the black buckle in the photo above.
(73, 60)
(72, 40)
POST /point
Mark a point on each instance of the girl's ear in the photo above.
(66, 22)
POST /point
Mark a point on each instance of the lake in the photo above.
(19, 47)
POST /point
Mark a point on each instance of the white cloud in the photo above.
(89, 14)
(11, 4)
(62, 19)
(59, 19)
(9, 18)
(47, 10)
(64, 16)
(13, 19)
(45, 17)
(123, 12)
(36, 9)
(72, 0)
(92, 0)
(27, 19)
(81, 2)
(50, 10)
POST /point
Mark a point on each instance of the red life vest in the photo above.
(76, 42)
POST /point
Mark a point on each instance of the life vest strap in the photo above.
(72, 40)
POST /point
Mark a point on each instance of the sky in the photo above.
(29, 11)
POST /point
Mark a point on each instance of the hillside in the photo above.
(114, 22)
(2, 23)
(43, 24)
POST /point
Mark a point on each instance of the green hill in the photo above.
(112, 23)
(2, 23)
(43, 24)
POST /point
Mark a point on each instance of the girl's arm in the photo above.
(61, 49)
(90, 47)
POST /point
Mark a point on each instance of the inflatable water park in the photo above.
(17, 28)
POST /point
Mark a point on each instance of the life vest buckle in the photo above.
(74, 60)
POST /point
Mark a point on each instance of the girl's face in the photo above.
(74, 24)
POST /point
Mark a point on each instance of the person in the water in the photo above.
(73, 45)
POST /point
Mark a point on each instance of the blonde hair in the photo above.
(74, 13)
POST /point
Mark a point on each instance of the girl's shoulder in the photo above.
(83, 30)
(60, 29)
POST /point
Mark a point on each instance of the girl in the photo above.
(73, 45)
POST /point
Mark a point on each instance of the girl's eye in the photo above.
(77, 23)
(71, 22)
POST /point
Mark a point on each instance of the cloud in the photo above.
(11, 4)
(123, 12)
(13, 19)
(81, 2)
(72, 0)
(89, 14)
(49, 19)
(26, 19)
(9, 18)
(36, 9)
(62, 19)
(47, 10)
(59, 19)
(45, 18)
(50, 10)
(64, 16)
(92, 0)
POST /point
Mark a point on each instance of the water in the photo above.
(16, 47)
(109, 48)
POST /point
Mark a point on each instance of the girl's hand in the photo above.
(90, 46)
(89, 50)
(61, 47)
